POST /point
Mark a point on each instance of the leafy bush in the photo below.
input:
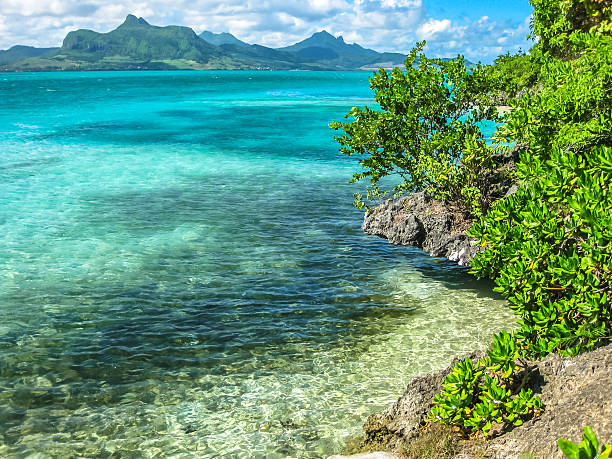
(587, 449)
(428, 119)
(549, 246)
(511, 74)
(555, 22)
(478, 395)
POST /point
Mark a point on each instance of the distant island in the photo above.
(138, 45)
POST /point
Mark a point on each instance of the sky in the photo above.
(478, 29)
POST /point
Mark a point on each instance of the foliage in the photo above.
(549, 247)
(587, 449)
(555, 22)
(478, 395)
(512, 74)
(427, 122)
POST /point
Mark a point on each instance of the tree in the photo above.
(423, 132)
(512, 75)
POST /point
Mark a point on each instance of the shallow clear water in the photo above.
(182, 272)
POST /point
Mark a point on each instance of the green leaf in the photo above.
(591, 441)
(606, 452)
(570, 449)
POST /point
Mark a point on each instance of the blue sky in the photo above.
(514, 10)
(478, 29)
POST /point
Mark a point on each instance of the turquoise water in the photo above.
(182, 272)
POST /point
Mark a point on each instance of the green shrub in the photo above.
(427, 121)
(491, 391)
(511, 74)
(549, 246)
(555, 22)
(587, 449)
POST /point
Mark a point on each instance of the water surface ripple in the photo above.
(182, 272)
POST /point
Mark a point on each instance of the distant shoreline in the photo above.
(137, 45)
(6, 71)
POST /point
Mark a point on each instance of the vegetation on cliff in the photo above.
(510, 76)
(549, 245)
(425, 132)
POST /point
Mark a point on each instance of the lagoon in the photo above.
(182, 272)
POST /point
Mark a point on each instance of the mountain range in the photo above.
(138, 45)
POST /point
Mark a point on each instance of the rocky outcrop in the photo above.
(401, 421)
(575, 391)
(420, 221)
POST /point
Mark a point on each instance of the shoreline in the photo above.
(575, 390)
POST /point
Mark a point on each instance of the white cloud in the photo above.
(429, 29)
(401, 3)
(482, 39)
(384, 25)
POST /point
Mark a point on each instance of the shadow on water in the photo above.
(452, 275)
(283, 219)
(258, 130)
(95, 356)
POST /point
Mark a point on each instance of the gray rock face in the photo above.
(420, 221)
(401, 421)
(575, 391)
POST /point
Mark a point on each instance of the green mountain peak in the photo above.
(223, 38)
(138, 45)
(132, 20)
